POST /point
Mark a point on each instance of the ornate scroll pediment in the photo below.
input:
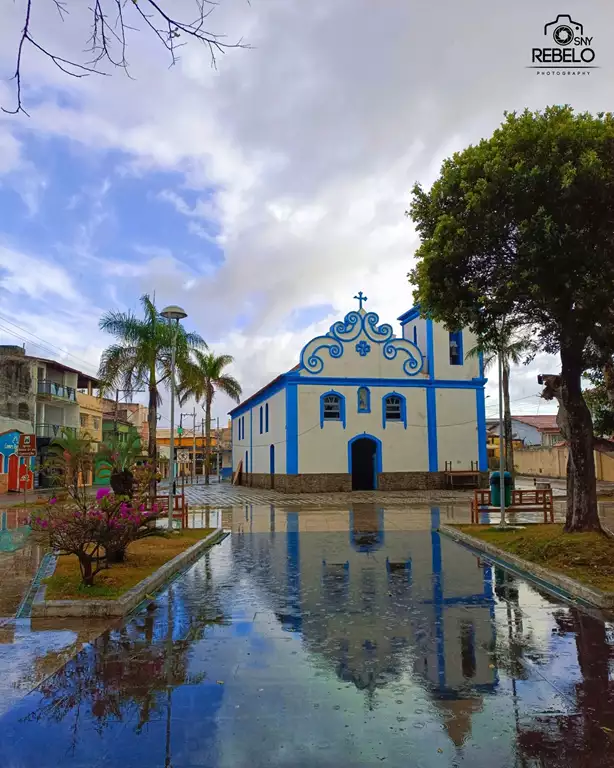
(359, 330)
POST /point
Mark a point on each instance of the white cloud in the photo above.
(311, 142)
(33, 276)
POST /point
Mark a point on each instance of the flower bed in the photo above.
(142, 559)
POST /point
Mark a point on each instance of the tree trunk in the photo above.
(582, 514)
(85, 565)
(152, 420)
(507, 418)
(207, 435)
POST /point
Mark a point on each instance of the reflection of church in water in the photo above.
(379, 604)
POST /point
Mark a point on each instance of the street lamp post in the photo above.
(172, 313)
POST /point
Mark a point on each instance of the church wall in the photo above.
(261, 443)
(470, 369)
(457, 441)
(326, 449)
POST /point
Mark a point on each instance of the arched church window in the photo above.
(332, 407)
(364, 400)
(394, 408)
(456, 347)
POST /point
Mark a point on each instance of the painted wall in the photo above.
(525, 432)
(90, 407)
(261, 443)
(470, 369)
(457, 436)
(325, 449)
(552, 462)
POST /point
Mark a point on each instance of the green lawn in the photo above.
(142, 559)
(586, 557)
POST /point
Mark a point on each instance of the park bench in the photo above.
(537, 500)
(180, 507)
(463, 478)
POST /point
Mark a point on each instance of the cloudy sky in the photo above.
(261, 195)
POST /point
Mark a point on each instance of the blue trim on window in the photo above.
(291, 429)
(480, 406)
(430, 348)
(272, 459)
(457, 336)
(247, 462)
(416, 335)
(403, 418)
(261, 419)
(431, 428)
(266, 417)
(341, 407)
(378, 452)
(368, 407)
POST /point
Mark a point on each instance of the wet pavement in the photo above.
(331, 637)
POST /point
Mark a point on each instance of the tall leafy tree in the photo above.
(514, 347)
(203, 377)
(521, 227)
(142, 356)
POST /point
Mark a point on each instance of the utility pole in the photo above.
(219, 452)
(194, 447)
(203, 441)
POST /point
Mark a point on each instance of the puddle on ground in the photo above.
(327, 638)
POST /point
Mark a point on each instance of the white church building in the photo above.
(365, 409)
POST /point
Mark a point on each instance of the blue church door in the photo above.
(364, 456)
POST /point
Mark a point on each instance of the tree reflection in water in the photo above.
(128, 674)
(585, 738)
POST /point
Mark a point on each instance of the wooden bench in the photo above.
(538, 500)
(180, 507)
(463, 478)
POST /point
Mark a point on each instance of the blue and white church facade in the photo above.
(365, 409)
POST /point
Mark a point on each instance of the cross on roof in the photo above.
(360, 297)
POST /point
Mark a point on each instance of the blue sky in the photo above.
(261, 195)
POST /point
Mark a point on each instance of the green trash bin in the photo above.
(495, 488)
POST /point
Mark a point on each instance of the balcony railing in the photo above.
(53, 389)
(53, 430)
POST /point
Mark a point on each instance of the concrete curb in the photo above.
(551, 581)
(130, 599)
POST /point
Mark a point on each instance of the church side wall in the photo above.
(276, 436)
(457, 438)
(325, 449)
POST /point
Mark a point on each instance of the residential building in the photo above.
(366, 409)
(531, 430)
(37, 395)
(90, 415)
(184, 449)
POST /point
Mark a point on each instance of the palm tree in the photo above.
(142, 356)
(203, 377)
(514, 347)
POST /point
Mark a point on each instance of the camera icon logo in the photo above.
(563, 29)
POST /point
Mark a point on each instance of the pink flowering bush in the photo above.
(98, 531)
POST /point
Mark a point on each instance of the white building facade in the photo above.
(365, 409)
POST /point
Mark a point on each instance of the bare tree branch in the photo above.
(107, 42)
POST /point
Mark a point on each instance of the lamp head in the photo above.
(174, 312)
